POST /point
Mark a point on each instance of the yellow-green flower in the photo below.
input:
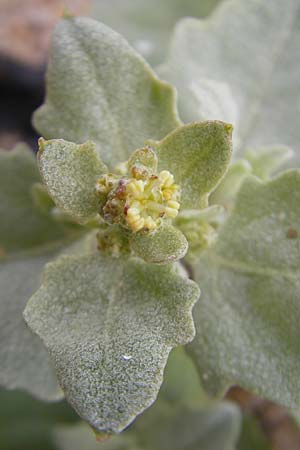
(151, 200)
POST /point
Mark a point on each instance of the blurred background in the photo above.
(25, 28)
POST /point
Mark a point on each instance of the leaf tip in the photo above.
(229, 129)
(101, 436)
(42, 144)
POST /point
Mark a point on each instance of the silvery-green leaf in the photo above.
(29, 238)
(209, 100)
(161, 246)
(146, 24)
(266, 160)
(261, 163)
(180, 419)
(249, 45)
(24, 362)
(199, 227)
(228, 188)
(248, 319)
(23, 226)
(197, 155)
(70, 172)
(100, 89)
(109, 324)
(145, 158)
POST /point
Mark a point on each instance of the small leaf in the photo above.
(248, 319)
(99, 88)
(23, 227)
(163, 245)
(267, 160)
(230, 185)
(145, 158)
(70, 172)
(197, 155)
(254, 68)
(109, 324)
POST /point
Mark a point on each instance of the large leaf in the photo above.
(99, 88)
(109, 324)
(197, 155)
(248, 319)
(146, 24)
(181, 418)
(229, 48)
(70, 172)
(23, 227)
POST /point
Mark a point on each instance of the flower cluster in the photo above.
(148, 201)
(140, 199)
